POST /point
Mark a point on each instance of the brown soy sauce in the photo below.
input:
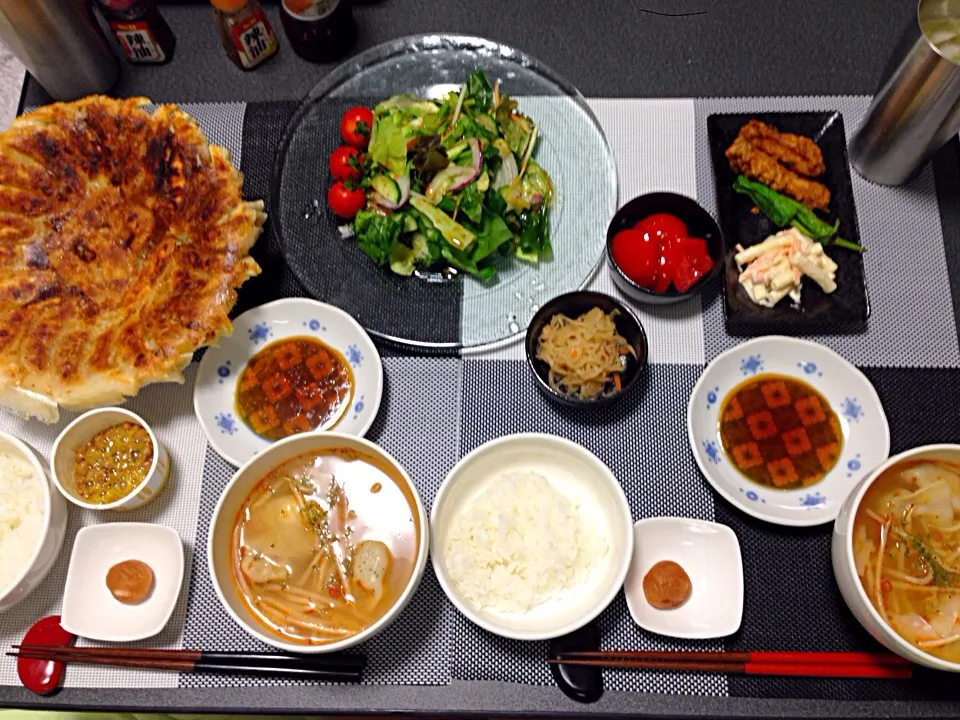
(780, 432)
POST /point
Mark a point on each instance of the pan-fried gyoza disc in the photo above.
(123, 238)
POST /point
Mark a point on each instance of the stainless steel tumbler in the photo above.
(61, 44)
(917, 108)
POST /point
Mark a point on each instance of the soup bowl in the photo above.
(219, 540)
(844, 566)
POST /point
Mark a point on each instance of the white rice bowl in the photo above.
(22, 510)
(531, 536)
(32, 521)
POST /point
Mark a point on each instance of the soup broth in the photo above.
(324, 545)
(906, 547)
(780, 432)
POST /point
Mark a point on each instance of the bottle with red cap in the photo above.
(245, 32)
(319, 30)
(143, 34)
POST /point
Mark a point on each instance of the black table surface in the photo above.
(622, 48)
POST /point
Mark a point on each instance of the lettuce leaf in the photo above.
(376, 234)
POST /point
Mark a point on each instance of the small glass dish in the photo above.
(710, 555)
(89, 608)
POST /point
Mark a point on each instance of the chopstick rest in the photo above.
(581, 683)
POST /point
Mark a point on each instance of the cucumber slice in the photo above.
(387, 187)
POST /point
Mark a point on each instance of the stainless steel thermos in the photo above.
(917, 108)
(61, 44)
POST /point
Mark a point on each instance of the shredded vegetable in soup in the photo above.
(906, 546)
(586, 355)
(324, 545)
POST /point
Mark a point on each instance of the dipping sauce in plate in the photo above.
(780, 432)
(294, 385)
(113, 463)
(130, 581)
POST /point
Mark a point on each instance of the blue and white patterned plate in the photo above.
(213, 394)
(866, 435)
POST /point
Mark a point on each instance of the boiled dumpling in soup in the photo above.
(275, 539)
(371, 563)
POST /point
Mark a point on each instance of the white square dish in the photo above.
(91, 611)
(710, 555)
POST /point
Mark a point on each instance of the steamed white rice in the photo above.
(519, 544)
(21, 516)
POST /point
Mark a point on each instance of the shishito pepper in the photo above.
(787, 212)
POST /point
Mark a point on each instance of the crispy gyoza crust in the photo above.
(123, 238)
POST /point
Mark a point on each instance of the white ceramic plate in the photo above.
(91, 611)
(213, 394)
(576, 473)
(710, 555)
(866, 435)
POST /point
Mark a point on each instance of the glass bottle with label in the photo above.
(245, 32)
(143, 34)
(319, 30)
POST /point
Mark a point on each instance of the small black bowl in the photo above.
(573, 305)
(699, 223)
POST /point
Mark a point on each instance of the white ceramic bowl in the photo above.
(89, 608)
(214, 393)
(576, 473)
(50, 540)
(710, 555)
(221, 528)
(845, 570)
(866, 435)
(80, 432)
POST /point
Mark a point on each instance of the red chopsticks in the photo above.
(798, 664)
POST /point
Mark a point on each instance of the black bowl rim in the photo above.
(672, 294)
(550, 306)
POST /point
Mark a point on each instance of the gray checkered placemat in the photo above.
(437, 409)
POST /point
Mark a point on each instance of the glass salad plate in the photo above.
(428, 311)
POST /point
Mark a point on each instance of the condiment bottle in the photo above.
(319, 30)
(143, 34)
(245, 32)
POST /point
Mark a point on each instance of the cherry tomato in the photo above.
(355, 126)
(345, 201)
(345, 163)
(662, 225)
(637, 255)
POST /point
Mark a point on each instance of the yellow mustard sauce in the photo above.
(113, 463)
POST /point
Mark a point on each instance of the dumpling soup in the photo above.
(906, 548)
(324, 545)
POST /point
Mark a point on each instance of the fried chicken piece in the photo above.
(795, 151)
(747, 159)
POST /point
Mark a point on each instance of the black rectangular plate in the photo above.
(845, 311)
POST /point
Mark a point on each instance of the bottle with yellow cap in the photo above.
(245, 32)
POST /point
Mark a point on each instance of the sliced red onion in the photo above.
(506, 173)
(454, 177)
(403, 182)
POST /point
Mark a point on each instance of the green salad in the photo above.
(451, 183)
